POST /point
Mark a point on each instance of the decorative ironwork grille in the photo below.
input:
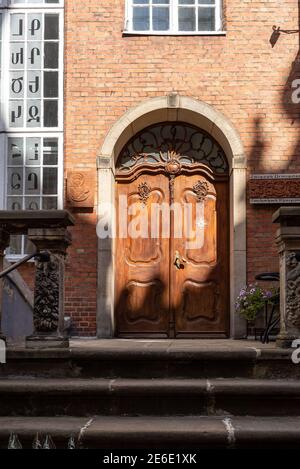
(164, 143)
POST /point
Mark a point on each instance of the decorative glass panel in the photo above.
(32, 172)
(34, 70)
(161, 143)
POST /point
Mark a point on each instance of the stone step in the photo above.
(86, 397)
(153, 360)
(152, 433)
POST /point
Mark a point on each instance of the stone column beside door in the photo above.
(48, 313)
(288, 243)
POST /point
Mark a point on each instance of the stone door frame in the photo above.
(162, 109)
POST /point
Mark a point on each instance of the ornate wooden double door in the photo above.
(172, 249)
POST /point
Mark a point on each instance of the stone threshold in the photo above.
(163, 348)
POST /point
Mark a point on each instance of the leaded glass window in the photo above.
(183, 143)
(34, 70)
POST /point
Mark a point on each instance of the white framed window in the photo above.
(34, 69)
(34, 177)
(30, 3)
(31, 123)
(178, 17)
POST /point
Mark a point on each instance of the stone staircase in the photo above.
(153, 395)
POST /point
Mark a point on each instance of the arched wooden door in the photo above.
(172, 246)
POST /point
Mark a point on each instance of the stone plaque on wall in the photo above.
(81, 189)
(274, 189)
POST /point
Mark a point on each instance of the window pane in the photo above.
(32, 181)
(206, 2)
(51, 84)
(16, 113)
(34, 55)
(35, 26)
(186, 2)
(50, 181)
(50, 151)
(14, 203)
(161, 2)
(34, 113)
(15, 246)
(29, 247)
(206, 19)
(33, 151)
(50, 113)
(15, 181)
(49, 203)
(141, 2)
(160, 19)
(34, 84)
(17, 27)
(51, 27)
(187, 19)
(51, 55)
(15, 151)
(32, 203)
(141, 19)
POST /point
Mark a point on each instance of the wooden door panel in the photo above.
(199, 290)
(142, 261)
(200, 239)
(200, 301)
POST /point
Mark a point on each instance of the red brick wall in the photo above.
(240, 75)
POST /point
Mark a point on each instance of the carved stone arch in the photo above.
(172, 108)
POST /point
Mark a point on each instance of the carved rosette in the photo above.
(201, 189)
(46, 305)
(292, 290)
(144, 191)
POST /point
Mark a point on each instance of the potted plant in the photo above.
(250, 303)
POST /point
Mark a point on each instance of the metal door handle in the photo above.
(179, 261)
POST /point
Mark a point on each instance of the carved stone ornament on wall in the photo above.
(293, 289)
(81, 189)
(46, 304)
(201, 189)
(280, 189)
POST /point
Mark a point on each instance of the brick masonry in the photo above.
(240, 74)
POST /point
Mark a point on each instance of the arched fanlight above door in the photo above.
(172, 146)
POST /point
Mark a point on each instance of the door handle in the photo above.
(179, 261)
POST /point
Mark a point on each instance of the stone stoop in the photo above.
(123, 394)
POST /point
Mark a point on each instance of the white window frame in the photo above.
(60, 171)
(43, 132)
(173, 30)
(28, 4)
(5, 72)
